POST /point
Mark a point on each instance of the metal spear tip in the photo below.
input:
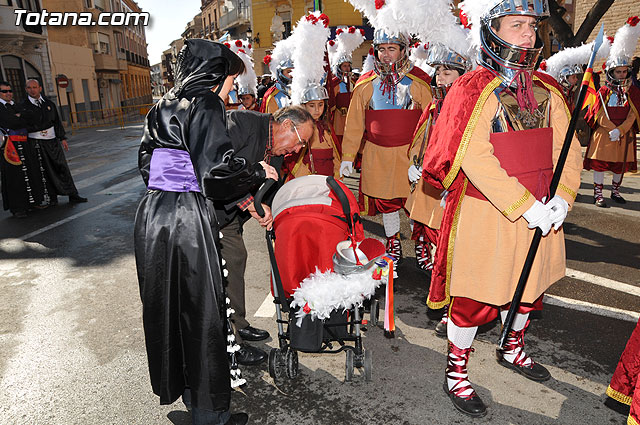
(599, 38)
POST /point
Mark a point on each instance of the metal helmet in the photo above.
(566, 71)
(282, 65)
(381, 37)
(502, 57)
(614, 83)
(349, 258)
(242, 90)
(439, 54)
(314, 91)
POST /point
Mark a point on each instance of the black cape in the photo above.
(24, 185)
(176, 239)
(54, 160)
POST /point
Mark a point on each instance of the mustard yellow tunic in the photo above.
(423, 203)
(386, 167)
(492, 238)
(602, 148)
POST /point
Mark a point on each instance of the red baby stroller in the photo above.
(312, 215)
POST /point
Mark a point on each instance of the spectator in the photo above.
(46, 130)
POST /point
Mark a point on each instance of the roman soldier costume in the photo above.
(342, 83)
(615, 118)
(624, 386)
(495, 193)
(386, 103)
(247, 82)
(423, 204)
(279, 95)
(320, 155)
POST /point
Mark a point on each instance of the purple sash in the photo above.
(172, 171)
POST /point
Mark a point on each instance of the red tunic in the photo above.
(625, 386)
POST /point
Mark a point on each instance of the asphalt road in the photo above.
(72, 347)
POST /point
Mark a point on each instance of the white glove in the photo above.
(415, 173)
(539, 216)
(614, 135)
(346, 168)
(559, 209)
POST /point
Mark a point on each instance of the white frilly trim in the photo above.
(323, 292)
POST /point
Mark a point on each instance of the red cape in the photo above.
(267, 96)
(443, 158)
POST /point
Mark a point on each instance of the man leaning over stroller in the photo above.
(255, 137)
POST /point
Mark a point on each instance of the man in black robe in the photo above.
(24, 185)
(45, 129)
(255, 136)
(187, 160)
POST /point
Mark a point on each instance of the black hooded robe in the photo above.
(176, 240)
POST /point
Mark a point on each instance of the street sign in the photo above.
(62, 81)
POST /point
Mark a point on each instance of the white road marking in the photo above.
(267, 308)
(604, 282)
(73, 217)
(600, 310)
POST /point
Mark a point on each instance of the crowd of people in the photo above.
(433, 136)
(464, 138)
(33, 167)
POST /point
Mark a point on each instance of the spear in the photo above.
(533, 248)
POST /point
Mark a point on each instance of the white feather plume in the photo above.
(368, 63)
(324, 292)
(624, 42)
(574, 56)
(447, 31)
(282, 51)
(418, 56)
(346, 43)
(310, 38)
(248, 78)
(475, 10)
(397, 17)
(332, 48)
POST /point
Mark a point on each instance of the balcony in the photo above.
(239, 15)
(28, 33)
(105, 62)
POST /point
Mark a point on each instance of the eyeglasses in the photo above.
(300, 141)
(6, 91)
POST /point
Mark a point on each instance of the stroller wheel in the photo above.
(349, 366)
(292, 364)
(375, 312)
(276, 363)
(368, 365)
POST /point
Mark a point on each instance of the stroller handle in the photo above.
(257, 200)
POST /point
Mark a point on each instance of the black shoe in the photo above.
(617, 199)
(600, 203)
(441, 329)
(238, 419)
(472, 406)
(19, 214)
(76, 199)
(250, 356)
(534, 371)
(252, 334)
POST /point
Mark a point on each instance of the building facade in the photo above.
(157, 88)
(72, 59)
(210, 19)
(273, 20)
(615, 17)
(24, 51)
